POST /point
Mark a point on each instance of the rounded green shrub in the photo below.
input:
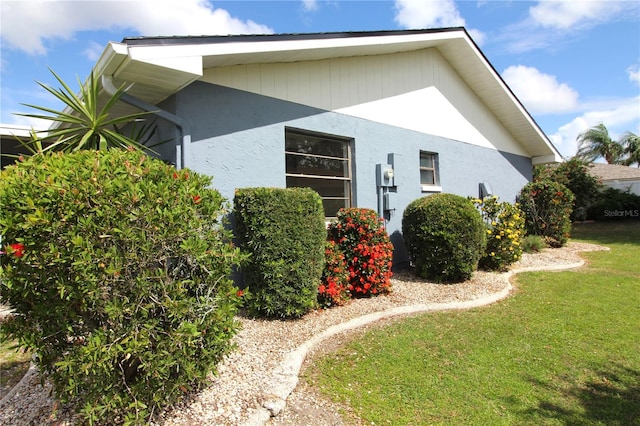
(284, 233)
(533, 244)
(445, 237)
(547, 207)
(118, 269)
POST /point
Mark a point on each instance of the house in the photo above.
(367, 119)
(624, 178)
(10, 146)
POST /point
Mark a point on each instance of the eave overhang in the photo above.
(157, 67)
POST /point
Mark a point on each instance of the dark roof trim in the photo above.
(178, 40)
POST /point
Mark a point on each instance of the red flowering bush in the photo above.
(335, 278)
(547, 207)
(359, 235)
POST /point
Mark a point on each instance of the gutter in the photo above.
(183, 150)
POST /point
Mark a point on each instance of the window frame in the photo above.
(435, 186)
(349, 198)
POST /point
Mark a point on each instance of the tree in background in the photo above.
(631, 144)
(596, 142)
(574, 174)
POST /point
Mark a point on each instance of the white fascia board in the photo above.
(113, 55)
(547, 159)
(15, 130)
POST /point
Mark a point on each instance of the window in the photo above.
(429, 171)
(322, 163)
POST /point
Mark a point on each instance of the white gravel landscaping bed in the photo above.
(248, 388)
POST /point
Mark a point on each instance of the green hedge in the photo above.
(118, 270)
(445, 237)
(613, 204)
(283, 231)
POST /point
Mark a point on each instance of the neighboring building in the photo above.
(10, 146)
(367, 119)
(624, 178)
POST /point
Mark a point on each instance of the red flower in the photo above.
(175, 175)
(196, 199)
(240, 293)
(17, 249)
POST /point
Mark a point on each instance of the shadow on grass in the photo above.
(611, 398)
(608, 232)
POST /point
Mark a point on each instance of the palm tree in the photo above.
(83, 123)
(631, 143)
(596, 142)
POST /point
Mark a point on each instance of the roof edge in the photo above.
(234, 38)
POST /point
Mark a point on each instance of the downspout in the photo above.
(183, 151)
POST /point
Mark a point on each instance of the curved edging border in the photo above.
(30, 372)
(285, 376)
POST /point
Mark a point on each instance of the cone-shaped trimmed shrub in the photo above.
(445, 237)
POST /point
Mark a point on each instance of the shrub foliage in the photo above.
(358, 233)
(284, 233)
(117, 267)
(445, 237)
(505, 230)
(547, 207)
(613, 204)
(574, 174)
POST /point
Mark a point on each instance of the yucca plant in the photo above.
(83, 123)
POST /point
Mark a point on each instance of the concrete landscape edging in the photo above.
(286, 375)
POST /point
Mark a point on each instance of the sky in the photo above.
(573, 64)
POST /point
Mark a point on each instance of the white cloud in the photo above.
(310, 5)
(93, 51)
(418, 14)
(477, 36)
(618, 116)
(27, 25)
(427, 14)
(540, 93)
(550, 24)
(564, 15)
(634, 73)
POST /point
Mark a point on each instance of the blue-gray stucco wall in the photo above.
(238, 138)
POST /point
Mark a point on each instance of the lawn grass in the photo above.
(563, 349)
(13, 365)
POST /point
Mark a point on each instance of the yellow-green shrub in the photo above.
(505, 229)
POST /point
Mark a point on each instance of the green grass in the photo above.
(13, 365)
(564, 349)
